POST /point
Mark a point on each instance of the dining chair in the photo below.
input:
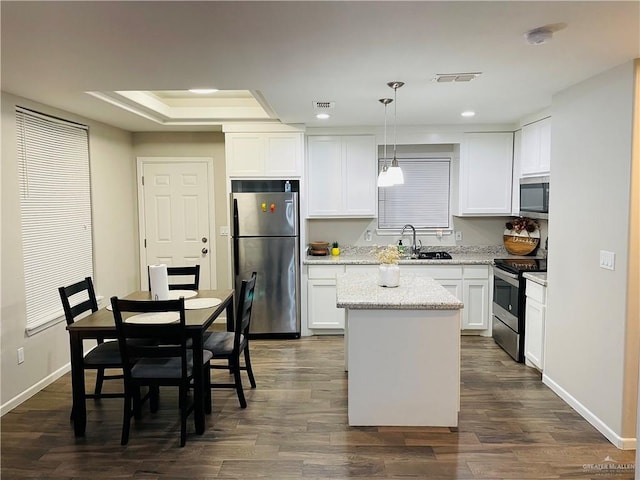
(230, 345)
(106, 355)
(192, 271)
(166, 362)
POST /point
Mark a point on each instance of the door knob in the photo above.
(205, 251)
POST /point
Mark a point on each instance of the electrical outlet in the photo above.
(20, 355)
(607, 260)
(367, 236)
(458, 236)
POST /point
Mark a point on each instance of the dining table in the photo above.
(101, 324)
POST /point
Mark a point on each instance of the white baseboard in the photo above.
(30, 392)
(620, 442)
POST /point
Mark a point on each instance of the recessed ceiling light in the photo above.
(323, 116)
(203, 91)
(468, 113)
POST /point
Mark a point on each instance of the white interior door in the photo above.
(176, 215)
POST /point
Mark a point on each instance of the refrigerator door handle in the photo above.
(235, 218)
(236, 261)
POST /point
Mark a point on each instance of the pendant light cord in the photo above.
(384, 149)
(395, 119)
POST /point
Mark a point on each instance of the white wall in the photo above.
(591, 348)
(115, 250)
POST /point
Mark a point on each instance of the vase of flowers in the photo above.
(521, 236)
(388, 270)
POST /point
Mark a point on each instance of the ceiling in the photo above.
(290, 54)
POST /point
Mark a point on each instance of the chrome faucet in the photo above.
(414, 247)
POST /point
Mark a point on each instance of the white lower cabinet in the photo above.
(469, 283)
(322, 312)
(535, 311)
(475, 296)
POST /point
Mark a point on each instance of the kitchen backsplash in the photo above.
(479, 235)
(475, 231)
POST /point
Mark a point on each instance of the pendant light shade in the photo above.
(394, 171)
(384, 179)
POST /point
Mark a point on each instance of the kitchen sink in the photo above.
(430, 256)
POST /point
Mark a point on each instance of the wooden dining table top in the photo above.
(103, 318)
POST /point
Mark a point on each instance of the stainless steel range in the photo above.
(509, 302)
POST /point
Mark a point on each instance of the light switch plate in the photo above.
(224, 231)
(367, 236)
(607, 260)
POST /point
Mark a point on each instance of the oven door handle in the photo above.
(510, 278)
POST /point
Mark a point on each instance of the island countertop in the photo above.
(416, 292)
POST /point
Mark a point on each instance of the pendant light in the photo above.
(394, 171)
(383, 178)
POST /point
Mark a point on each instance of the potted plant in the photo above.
(335, 249)
(388, 270)
(521, 236)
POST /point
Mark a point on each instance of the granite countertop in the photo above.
(460, 255)
(538, 277)
(369, 259)
(361, 291)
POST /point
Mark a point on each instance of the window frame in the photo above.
(425, 230)
(55, 211)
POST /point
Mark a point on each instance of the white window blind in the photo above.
(55, 203)
(423, 200)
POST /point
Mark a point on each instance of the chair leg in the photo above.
(126, 420)
(247, 363)
(154, 398)
(137, 403)
(99, 381)
(183, 414)
(207, 391)
(238, 382)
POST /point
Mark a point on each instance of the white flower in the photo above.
(388, 255)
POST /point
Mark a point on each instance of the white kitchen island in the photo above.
(402, 348)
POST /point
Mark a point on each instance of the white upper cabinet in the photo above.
(341, 174)
(536, 148)
(486, 169)
(264, 154)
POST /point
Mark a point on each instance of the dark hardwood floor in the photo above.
(511, 426)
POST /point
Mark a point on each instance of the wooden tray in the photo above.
(521, 244)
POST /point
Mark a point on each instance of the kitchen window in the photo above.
(423, 199)
(55, 207)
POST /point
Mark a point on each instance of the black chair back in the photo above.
(90, 304)
(245, 306)
(168, 362)
(165, 340)
(190, 271)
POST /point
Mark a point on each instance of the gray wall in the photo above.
(115, 249)
(591, 348)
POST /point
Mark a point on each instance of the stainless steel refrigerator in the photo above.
(266, 240)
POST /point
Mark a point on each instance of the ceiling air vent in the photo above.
(324, 105)
(456, 77)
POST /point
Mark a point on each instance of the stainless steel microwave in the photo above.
(534, 197)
